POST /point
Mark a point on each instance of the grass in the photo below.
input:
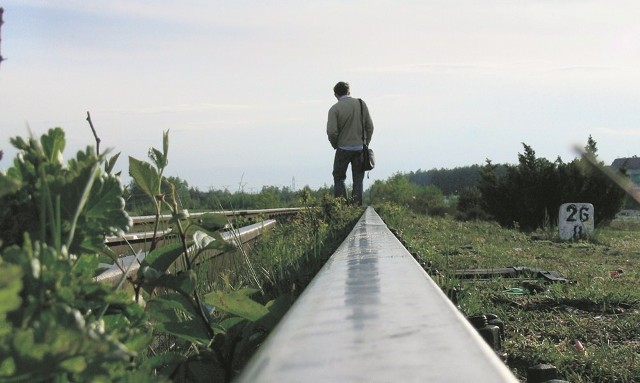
(278, 265)
(289, 256)
(599, 310)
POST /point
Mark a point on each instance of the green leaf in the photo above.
(10, 287)
(19, 143)
(163, 309)
(138, 342)
(86, 264)
(145, 176)
(277, 309)
(7, 367)
(76, 364)
(158, 158)
(8, 185)
(105, 210)
(193, 330)
(162, 257)
(166, 361)
(53, 144)
(212, 241)
(173, 301)
(161, 159)
(165, 144)
(184, 282)
(213, 221)
(193, 228)
(111, 162)
(236, 303)
(229, 323)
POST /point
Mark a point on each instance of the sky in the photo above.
(244, 86)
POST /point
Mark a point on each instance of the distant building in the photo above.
(632, 167)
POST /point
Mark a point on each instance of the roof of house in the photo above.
(627, 163)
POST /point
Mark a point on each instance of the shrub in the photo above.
(533, 190)
(398, 189)
(56, 322)
(469, 205)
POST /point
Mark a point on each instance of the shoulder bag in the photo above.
(368, 158)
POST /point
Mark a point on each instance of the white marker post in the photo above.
(575, 221)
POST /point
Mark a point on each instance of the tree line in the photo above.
(195, 199)
(527, 194)
(530, 193)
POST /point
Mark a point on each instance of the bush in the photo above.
(469, 205)
(57, 323)
(532, 191)
(401, 191)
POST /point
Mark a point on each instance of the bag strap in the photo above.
(364, 137)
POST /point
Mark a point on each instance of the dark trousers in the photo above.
(340, 164)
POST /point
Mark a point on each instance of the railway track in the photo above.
(372, 314)
(139, 240)
(142, 230)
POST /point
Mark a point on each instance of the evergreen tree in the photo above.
(532, 191)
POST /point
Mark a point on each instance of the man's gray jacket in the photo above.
(344, 125)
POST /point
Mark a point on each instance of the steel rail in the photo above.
(268, 213)
(134, 237)
(238, 237)
(372, 314)
(143, 236)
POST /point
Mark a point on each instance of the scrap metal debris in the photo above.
(511, 272)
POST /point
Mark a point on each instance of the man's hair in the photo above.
(341, 89)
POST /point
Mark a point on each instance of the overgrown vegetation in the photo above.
(58, 324)
(601, 309)
(399, 189)
(56, 321)
(291, 255)
(526, 195)
(194, 199)
(169, 321)
(532, 191)
(451, 181)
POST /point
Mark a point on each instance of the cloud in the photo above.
(191, 12)
(587, 68)
(488, 67)
(418, 68)
(620, 132)
(180, 108)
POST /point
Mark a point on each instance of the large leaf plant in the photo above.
(214, 332)
(56, 322)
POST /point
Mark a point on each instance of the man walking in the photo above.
(345, 132)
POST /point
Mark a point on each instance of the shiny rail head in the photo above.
(113, 273)
(268, 213)
(372, 314)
